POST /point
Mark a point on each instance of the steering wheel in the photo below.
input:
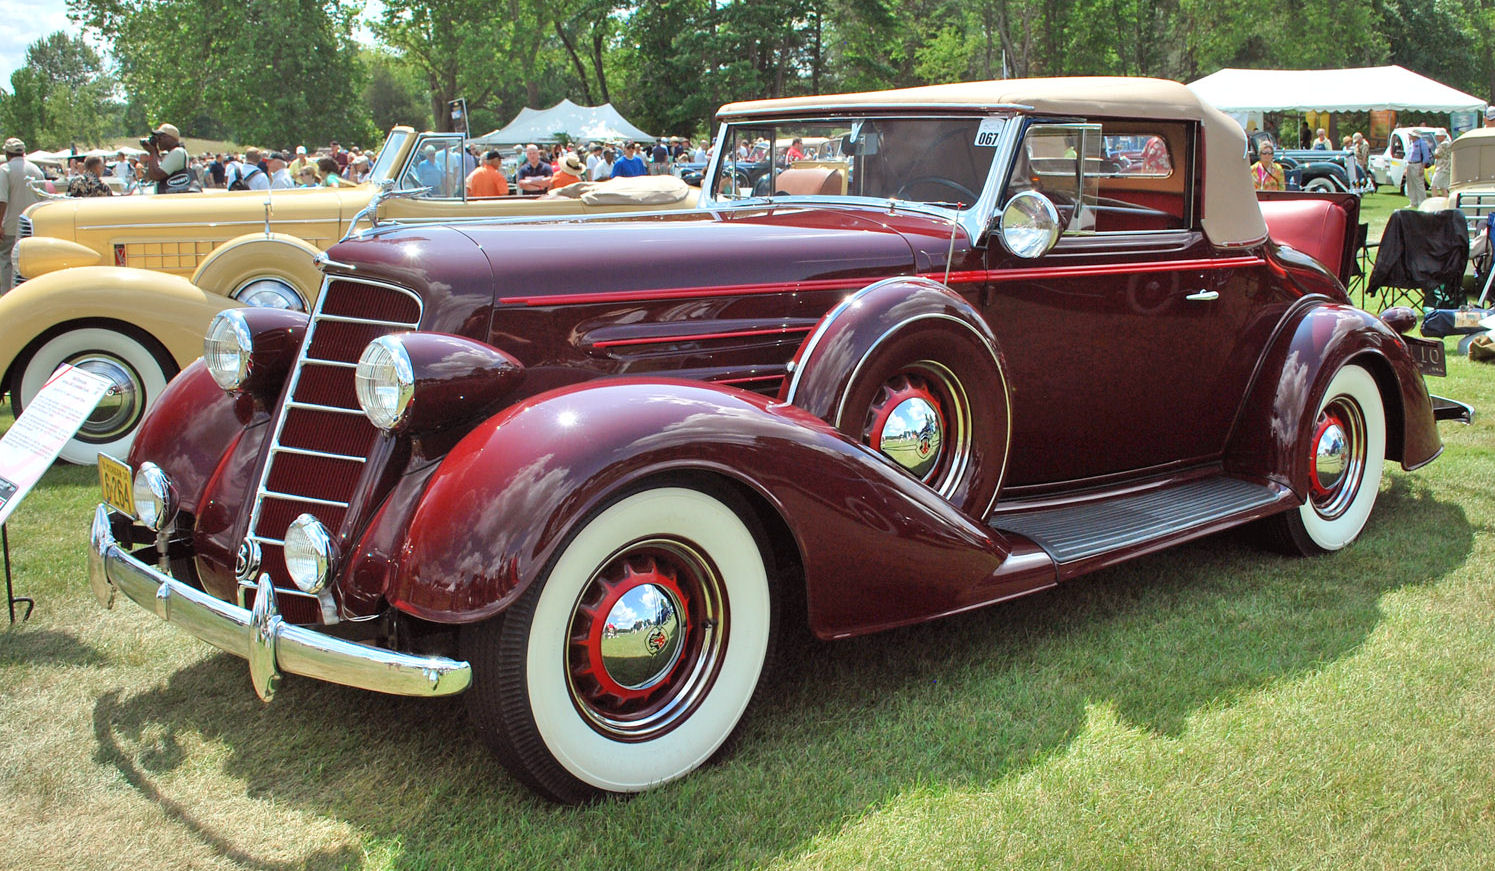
(970, 195)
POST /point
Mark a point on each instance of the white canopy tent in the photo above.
(1349, 90)
(581, 123)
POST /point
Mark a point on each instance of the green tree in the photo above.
(61, 96)
(269, 71)
(395, 93)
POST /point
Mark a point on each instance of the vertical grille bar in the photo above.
(314, 453)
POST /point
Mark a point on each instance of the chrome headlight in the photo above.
(309, 553)
(155, 497)
(226, 349)
(385, 382)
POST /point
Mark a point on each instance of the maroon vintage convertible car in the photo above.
(584, 471)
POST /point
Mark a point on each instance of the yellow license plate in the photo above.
(116, 482)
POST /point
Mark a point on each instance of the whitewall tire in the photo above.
(633, 659)
(137, 377)
(1346, 451)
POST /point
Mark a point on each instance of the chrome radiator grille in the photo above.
(321, 437)
(24, 227)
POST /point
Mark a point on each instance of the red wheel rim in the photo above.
(646, 639)
(939, 462)
(1336, 458)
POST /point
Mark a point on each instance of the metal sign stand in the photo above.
(10, 595)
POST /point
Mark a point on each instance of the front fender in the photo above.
(1316, 340)
(191, 427)
(170, 309)
(36, 256)
(877, 548)
(257, 255)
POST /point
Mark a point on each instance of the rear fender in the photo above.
(512, 492)
(165, 307)
(1315, 342)
(258, 255)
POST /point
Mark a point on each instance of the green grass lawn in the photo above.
(1213, 706)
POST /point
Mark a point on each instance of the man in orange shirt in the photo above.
(488, 179)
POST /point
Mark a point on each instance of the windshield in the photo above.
(943, 161)
(383, 164)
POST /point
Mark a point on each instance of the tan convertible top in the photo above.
(1231, 216)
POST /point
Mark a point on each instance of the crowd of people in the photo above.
(167, 167)
(540, 169)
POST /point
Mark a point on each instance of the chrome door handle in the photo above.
(1204, 296)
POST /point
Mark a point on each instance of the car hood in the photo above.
(692, 254)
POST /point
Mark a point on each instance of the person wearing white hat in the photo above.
(1490, 116)
(301, 162)
(16, 194)
(165, 156)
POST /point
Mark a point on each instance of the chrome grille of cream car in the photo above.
(24, 228)
(321, 438)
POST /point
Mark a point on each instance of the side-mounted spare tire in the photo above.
(909, 368)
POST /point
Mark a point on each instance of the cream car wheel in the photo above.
(633, 659)
(136, 377)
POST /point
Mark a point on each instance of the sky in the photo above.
(26, 21)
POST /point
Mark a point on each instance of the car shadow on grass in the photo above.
(843, 728)
(26, 647)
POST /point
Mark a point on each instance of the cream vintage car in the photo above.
(125, 287)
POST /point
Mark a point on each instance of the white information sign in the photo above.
(51, 418)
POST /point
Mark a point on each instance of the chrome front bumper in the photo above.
(269, 643)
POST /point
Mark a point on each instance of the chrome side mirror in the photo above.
(384, 191)
(1029, 225)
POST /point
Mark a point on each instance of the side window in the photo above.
(437, 163)
(1135, 176)
(1397, 149)
(1145, 176)
(1050, 162)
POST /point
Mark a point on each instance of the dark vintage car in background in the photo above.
(585, 471)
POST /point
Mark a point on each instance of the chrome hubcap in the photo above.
(646, 639)
(1338, 460)
(912, 435)
(920, 419)
(642, 637)
(120, 408)
(1331, 456)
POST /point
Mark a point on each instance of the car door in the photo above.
(1129, 344)
(1396, 158)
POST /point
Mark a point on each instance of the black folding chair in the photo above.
(1421, 261)
(1361, 258)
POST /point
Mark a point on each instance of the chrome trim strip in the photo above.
(318, 361)
(292, 497)
(285, 647)
(312, 406)
(303, 452)
(263, 540)
(811, 113)
(279, 591)
(257, 223)
(344, 319)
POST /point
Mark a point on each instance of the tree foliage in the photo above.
(274, 72)
(281, 71)
(62, 96)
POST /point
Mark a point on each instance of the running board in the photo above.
(1100, 526)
